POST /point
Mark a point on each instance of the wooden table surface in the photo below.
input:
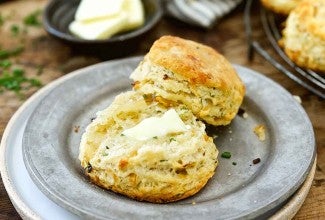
(47, 59)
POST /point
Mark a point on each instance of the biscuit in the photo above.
(161, 169)
(304, 35)
(182, 71)
(280, 6)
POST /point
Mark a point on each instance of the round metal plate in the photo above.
(246, 190)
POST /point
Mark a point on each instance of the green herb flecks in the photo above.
(5, 64)
(15, 30)
(234, 163)
(2, 20)
(145, 96)
(226, 154)
(4, 54)
(16, 81)
(172, 139)
(33, 19)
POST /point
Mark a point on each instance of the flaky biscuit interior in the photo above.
(161, 169)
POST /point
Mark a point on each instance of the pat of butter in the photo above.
(100, 29)
(90, 10)
(101, 19)
(135, 13)
(151, 127)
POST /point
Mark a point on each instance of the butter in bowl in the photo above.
(104, 28)
(101, 19)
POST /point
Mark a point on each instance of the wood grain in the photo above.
(57, 59)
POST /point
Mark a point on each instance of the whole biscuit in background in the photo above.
(280, 6)
(182, 71)
(157, 169)
(304, 35)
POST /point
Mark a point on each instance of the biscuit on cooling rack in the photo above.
(157, 169)
(182, 71)
(304, 35)
(280, 6)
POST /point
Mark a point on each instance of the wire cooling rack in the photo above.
(271, 24)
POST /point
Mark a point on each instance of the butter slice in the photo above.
(134, 9)
(90, 10)
(151, 127)
(99, 29)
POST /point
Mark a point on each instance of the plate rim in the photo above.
(289, 210)
(61, 200)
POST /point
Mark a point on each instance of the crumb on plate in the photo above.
(259, 130)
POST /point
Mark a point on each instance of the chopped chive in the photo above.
(172, 139)
(234, 163)
(35, 82)
(5, 64)
(33, 19)
(2, 20)
(226, 154)
(18, 72)
(16, 81)
(14, 30)
(4, 54)
(155, 137)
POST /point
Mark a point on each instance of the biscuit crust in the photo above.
(182, 71)
(280, 6)
(196, 62)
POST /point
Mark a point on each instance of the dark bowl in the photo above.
(59, 14)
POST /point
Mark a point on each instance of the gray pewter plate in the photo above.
(246, 190)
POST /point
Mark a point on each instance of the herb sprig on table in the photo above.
(14, 79)
(33, 19)
(4, 54)
(1, 20)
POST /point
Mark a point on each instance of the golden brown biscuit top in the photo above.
(280, 6)
(198, 63)
(312, 13)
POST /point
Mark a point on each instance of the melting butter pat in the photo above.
(101, 19)
(151, 127)
(135, 13)
(100, 29)
(91, 10)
